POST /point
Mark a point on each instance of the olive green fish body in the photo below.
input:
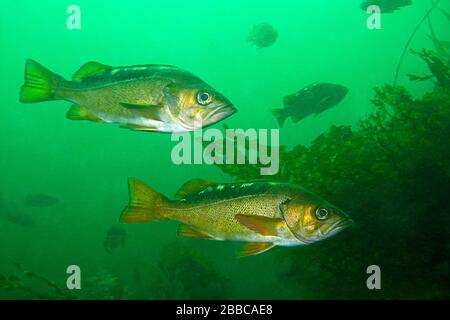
(145, 97)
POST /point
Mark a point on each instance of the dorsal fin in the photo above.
(193, 186)
(90, 69)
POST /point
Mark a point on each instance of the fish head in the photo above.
(313, 219)
(197, 106)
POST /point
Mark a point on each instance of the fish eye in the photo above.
(322, 213)
(204, 98)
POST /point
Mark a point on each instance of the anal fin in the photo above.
(186, 231)
(77, 112)
(253, 248)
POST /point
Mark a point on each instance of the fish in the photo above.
(386, 6)
(261, 214)
(40, 200)
(312, 99)
(115, 238)
(262, 35)
(156, 98)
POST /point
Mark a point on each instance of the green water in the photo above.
(86, 165)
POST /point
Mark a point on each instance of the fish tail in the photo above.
(144, 203)
(40, 83)
(280, 115)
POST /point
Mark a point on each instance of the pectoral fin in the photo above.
(262, 225)
(138, 128)
(253, 248)
(77, 112)
(186, 231)
(150, 111)
(193, 186)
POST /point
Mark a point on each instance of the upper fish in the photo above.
(160, 98)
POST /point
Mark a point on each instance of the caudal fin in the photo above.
(280, 115)
(40, 83)
(143, 205)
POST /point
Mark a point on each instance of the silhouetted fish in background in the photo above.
(10, 212)
(19, 218)
(386, 6)
(40, 200)
(115, 238)
(263, 35)
(312, 99)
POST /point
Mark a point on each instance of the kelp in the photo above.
(392, 176)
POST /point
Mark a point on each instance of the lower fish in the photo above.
(261, 214)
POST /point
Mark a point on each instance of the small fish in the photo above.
(386, 6)
(312, 99)
(115, 238)
(262, 214)
(40, 200)
(14, 215)
(158, 98)
(262, 35)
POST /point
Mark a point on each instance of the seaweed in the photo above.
(391, 174)
(185, 274)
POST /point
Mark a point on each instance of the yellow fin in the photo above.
(90, 69)
(193, 186)
(260, 224)
(151, 111)
(253, 248)
(77, 112)
(186, 231)
(143, 203)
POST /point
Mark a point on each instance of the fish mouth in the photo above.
(219, 113)
(336, 227)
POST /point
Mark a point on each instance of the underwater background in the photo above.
(383, 155)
